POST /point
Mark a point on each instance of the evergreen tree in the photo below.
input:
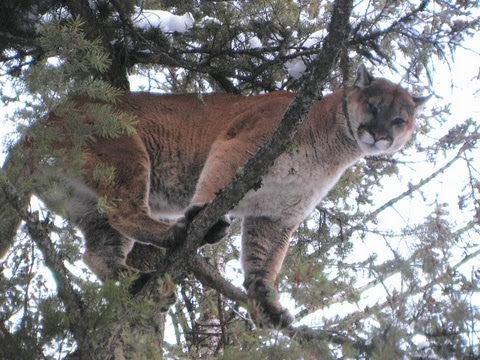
(379, 270)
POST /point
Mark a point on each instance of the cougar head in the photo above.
(381, 115)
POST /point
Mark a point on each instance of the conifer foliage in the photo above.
(385, 268)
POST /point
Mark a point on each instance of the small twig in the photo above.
(404, 19)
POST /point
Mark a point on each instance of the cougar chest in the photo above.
(290, 190)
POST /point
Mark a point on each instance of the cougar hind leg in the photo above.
(105, 248)
(125, 191)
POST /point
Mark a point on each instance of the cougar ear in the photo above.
(364, 78)
(420, 101)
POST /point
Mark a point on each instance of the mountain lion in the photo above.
(186, 148)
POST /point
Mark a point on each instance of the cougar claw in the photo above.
(266, 316)
(267, 310)
(193, 210)
(177, 233)
(281, 319)
(217, 232)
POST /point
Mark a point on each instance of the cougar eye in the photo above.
(398, 121)
(373, 109)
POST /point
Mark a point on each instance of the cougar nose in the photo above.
(379, 134)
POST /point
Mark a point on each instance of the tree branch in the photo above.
(404, 19)
(392, 302)
(371, 216)
(417, 186)
(117, 72)
(39, 232)
(208, 275)
(395, 268)
(305, 334)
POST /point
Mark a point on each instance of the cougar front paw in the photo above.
(265, 308)
(278, 317)
(217, 232)
(177, 233)
(265, 316)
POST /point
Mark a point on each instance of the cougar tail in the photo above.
(15, 178)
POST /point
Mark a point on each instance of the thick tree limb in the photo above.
(14, 39)
(208, 275)
(95, 29)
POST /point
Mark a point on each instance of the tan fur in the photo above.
(187, 148)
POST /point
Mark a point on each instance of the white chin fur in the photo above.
(382, 145)
(370, 146)
(367, 138)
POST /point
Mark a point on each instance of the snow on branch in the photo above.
(166, 21)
